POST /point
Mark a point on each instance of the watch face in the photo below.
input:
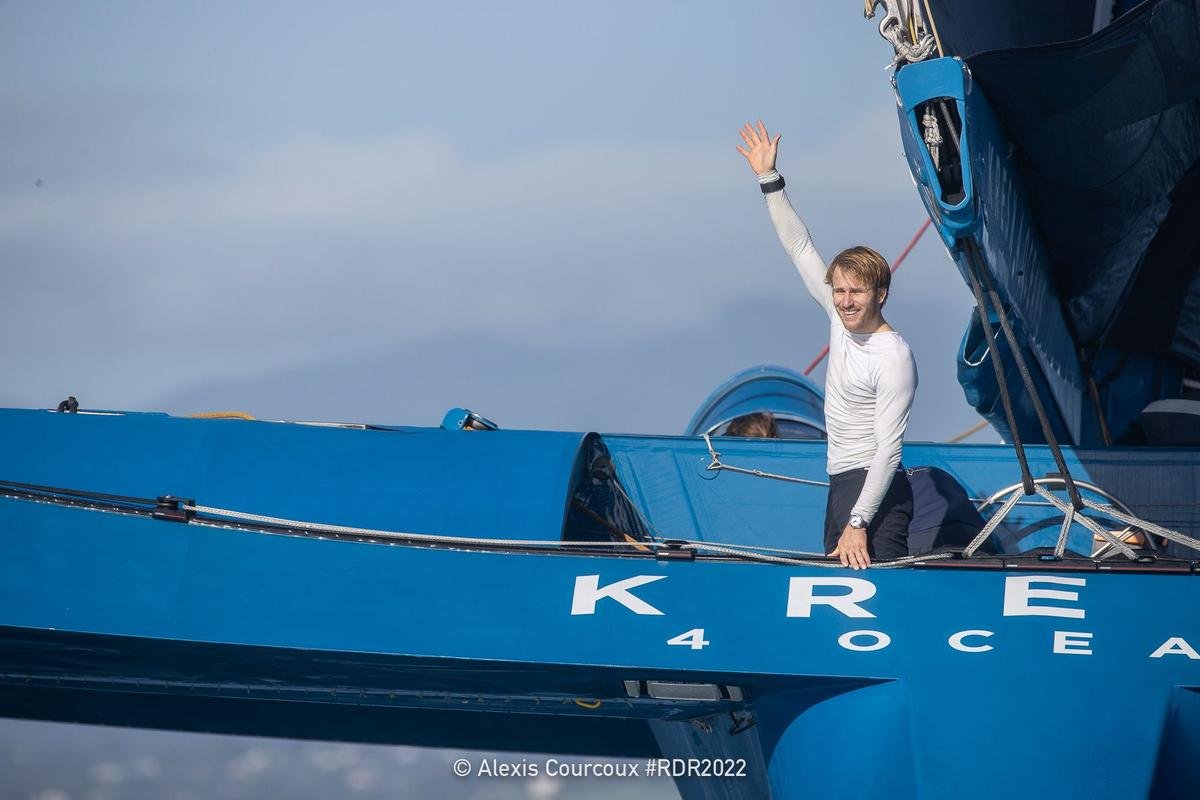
(856, 521)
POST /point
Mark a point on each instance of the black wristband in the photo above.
(772, 186)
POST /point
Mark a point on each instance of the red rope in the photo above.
(895, 266)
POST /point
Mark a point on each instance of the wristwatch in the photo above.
(857, 521)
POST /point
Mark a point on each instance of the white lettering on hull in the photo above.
(588, 592)
(1176, 646)
(1018, 591)
(956, 641)
(879, 640)
(801, 597)
(1072, 643)
(846, 596)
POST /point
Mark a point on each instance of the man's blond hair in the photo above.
(864, 264)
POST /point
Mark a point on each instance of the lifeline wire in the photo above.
(219, 516)
(1070, 516)
(716, 465)
(742, 551)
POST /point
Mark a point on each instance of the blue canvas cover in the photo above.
(1109, 135)
(1098, 149)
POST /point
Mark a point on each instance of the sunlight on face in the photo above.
(858, 304)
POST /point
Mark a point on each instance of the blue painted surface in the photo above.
(518, 484)
(463, 613)
(916, 85)
(124, 619)
(996, 214)
(422, 480)
(669, 479)
(783, 392)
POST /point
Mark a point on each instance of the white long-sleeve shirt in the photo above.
(870, 379)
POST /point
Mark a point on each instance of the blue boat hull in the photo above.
(999, 680)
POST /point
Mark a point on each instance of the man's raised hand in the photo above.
(760, 149)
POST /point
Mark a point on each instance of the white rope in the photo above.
(892, 28)
(1060, 546)
(1090, 524)
(933, 138)
(1150, 527)
(991, 526)
(907, 561)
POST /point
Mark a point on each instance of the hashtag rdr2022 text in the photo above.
(696, 767)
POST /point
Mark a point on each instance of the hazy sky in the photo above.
(376, 211)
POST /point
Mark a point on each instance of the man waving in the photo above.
(869, 383)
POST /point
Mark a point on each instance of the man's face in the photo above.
(857, 303)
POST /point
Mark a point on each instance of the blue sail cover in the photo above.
(1109, 155)
(967, 27)
(1107, 134)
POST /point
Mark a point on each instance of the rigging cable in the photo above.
(1002, 384)
(976, 273)
(933, 27)
(188, 512)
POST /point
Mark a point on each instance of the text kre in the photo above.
(847, 595)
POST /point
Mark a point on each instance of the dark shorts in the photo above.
(887, 535)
